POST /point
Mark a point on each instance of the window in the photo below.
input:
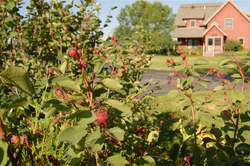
(229, 23)
(210, 42)
(241, 40)
(192, 23)
(217, 42)
(192, 43)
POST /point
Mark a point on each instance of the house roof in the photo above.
(214, 24)
(189, 32)
(195, 11)
(245, 14)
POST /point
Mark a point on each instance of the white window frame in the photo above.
(243, 40)
(226, 23)
(191, 23)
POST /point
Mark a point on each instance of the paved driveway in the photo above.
(165, 88)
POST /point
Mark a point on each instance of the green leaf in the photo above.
(248, 63)
(243, 149)
(229, 66)
(95, 145)
(218, 88)
(19, 78)
(13, 34)
(113, 85)
(191, 131)
(72, 135)
(68, 84)
(117, 160)
(153, 136)
(86, 117)
(78, 5)
(8, 19)
(63, 67)
(17, 103)
(116, 132)
(176, 125)
(98, 67)
(128, 43)
(224, 61)
(10, 5)
(4, 152)
(238, 96)
(173, 93)
(113, 7)
(204, 85)
(107, 44)
(119, 105)
(97, 7)
(149, 161)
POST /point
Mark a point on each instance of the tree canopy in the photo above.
(155, 18)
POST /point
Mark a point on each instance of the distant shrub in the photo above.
(241, 53)
(233, 45)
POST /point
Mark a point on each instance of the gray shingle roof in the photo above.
(188, 32)
(195, 11)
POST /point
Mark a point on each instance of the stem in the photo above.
(195, 136)
(236, 127)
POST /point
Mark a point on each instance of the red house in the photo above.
(209, 25)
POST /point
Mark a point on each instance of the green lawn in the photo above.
(159, 63)
(210, 113)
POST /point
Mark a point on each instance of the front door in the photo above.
(210, 44)
(214, 44)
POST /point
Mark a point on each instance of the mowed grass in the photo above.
(210, 112)
(159, 63)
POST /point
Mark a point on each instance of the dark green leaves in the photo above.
(72, 135)
(19, 78)
(116, 133)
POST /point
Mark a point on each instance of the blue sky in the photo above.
(174, 4)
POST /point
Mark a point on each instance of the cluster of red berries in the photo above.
(96, 51)
(114, 40)
(169, 62)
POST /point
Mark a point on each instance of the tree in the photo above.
(156, 19)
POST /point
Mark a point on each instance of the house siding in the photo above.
(188, 23)
(214, 32)
(241, 26)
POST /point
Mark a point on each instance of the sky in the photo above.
(108, 4)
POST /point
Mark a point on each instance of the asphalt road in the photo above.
(165, 87)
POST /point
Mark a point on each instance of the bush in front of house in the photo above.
(233, 45)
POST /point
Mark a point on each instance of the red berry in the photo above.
(79, 65)
(101, 116)
(183, 56)
(171, 61)
(111, 139)
(58, 92)
(15, 139)
(169, 78)
(178, 51)
(112, 38)
(94, 52)
(74, 39)
(51, 71)
(214, 70)
(183, 59)
(176, 74)
(213, 125)
(56, 120)
(207, 150)
(161, 122)
(235, 116)
(134, 48)
(97, 51)
(115, 72)
(225, 112)
(125, 66)
(54, 86)
(187, 158)
(137, 128)
(73, 52)
(222, 73)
